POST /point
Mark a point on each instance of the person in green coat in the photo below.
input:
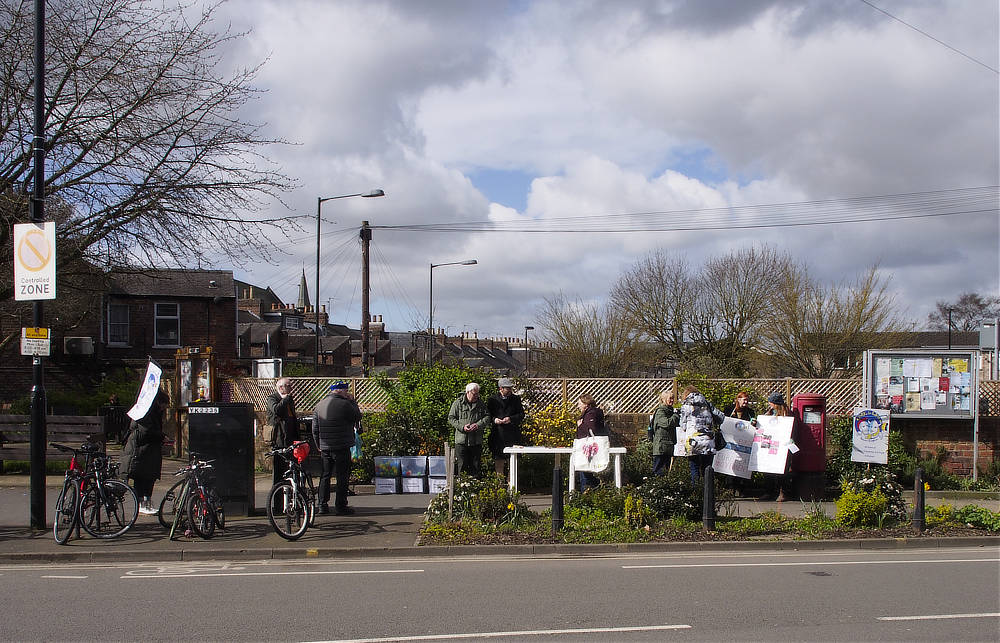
(470, 418)
(663, 436)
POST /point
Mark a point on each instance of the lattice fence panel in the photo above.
(989, 394)
(308, 391)
(621, 395)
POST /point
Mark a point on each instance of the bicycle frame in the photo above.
(192, 471)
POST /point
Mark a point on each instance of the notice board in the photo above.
(922, 383)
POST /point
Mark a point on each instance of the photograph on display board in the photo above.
(930, 385)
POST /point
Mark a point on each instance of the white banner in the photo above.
(771, 443)
(734, 460)
(150, 387)
(870, 441)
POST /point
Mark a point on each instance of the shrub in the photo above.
(552, 426)
(637, 464)
(870, 497)
(979, 517)
(488, 500)
(839, 431)
(934, 472)
(606, 498)
(672, 495)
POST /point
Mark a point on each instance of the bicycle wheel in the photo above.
(65, 518)
(108, 511)
(202, 515)
(311, 498)
(170, 504)
(292, 518)
(220, 510)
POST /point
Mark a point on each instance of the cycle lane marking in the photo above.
(501, 634)
(64, 576)
(139, 574)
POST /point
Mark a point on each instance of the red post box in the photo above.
(810, 411)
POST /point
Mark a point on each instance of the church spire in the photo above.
(303, 302)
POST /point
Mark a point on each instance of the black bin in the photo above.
(224, 433)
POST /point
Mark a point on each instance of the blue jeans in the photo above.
(698, 465)
(661, 463)
(586, 480)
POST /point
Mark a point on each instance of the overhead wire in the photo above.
(914, 205)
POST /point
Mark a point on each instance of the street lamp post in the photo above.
(430, 307)
(319, 209)
(527, 351)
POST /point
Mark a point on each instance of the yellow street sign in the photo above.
(36, 333)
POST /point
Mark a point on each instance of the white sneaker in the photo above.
(146, 507)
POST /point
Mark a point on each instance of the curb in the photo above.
(553, 550)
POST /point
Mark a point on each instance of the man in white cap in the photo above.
(334, 420)
(508, 414)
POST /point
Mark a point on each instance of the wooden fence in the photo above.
(613, 395)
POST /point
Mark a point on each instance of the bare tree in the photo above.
(819, 331)
(148, 160)
(967, 313)
(710, 320)
(587, 340)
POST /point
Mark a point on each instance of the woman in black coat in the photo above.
(142, 456)
(591, 422)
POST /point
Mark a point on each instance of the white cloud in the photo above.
(615, 108)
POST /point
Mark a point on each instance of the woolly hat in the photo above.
(338, 386)
(776, 398)
(505, 382)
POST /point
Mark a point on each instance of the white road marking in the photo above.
(932, 617)
(296, 573)
(479, 635)
(55, 576)
(815, 563)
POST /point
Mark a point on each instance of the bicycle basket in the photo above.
(301, 451)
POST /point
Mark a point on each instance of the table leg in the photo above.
(572, 476)
(512, 472)
(618, 470)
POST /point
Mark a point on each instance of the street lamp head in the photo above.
(529, 328)
(469, 262)
(372, 194)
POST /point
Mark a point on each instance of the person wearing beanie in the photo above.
(334, 420)
(781, 486)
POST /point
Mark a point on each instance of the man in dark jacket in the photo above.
(508, 414)
(334, 421)
(282, 422)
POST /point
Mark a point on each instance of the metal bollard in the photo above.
(918, 500)
(557, 500)
(708, 500)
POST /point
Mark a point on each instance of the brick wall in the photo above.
(925, 436)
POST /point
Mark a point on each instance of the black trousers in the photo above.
(143, 486)
(335, 462)
(467, 459)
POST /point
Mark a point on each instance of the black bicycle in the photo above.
(193, 501)
(91, 497)
(291, 503)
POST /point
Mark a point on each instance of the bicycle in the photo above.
(193, 501)
(92, 498)
(295, 494)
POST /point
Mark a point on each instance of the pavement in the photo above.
(383, 526)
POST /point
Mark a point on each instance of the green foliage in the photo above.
(720, 393)
(980, 517)
(637, 513)
(419, 402)
(606, 498)
(23, 467)
(297, 369)
(672, 495)
(637, 465)
(592, 524)
(870, 497)
(488, 500)
(934, 472)
(937, 516)
(839, 430)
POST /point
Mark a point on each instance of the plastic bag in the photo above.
(591, 454)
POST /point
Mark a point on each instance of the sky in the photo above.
(525, 114)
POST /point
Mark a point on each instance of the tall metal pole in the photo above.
(319, 208)
(38, 432)
(430, 320)
(366, 238)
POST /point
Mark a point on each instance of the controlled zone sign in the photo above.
(34, 261)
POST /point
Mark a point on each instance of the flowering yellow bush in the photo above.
(553, 426)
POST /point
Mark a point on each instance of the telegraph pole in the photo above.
(37, 436)
(366, 238)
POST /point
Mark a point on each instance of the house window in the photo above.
(118, 324)
(293, 323)
(167, 325)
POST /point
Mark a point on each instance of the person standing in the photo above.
(508, 413)
(334, 420)
(664, 433)
(591, 422)
(469, 416)
(783, 484)
(284, 424)
(741, 409)
(699, 420)
(142, 456)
